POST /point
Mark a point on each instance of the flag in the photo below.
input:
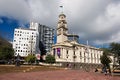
(61, 6)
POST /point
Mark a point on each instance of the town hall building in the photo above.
(70, 51)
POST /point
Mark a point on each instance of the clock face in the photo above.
(62, 17)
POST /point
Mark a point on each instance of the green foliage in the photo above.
(4, 42)
(6, 53)
(115, 49)
(30, 58)
(50, 59)
(106, 50)
(105, 60)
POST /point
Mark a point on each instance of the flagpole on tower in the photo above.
(87, 42)
(61, 7)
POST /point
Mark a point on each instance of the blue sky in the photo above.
(7, 27)
(97, 21)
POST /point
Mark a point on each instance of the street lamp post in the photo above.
(18, 60)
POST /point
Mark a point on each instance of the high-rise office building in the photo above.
(25, 41)
(37, 39)
(46, 35)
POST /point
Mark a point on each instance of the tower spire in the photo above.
(62, 30)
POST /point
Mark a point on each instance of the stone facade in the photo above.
(74, 52)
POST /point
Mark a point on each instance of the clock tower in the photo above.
(62, 29)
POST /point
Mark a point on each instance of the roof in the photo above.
(72, 43)
(62, 15)
(73, 35)
(26, 29)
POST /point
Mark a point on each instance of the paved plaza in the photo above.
(57, 75)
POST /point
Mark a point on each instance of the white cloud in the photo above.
(109, 25)
(112, 38)
(45, 12)
(94, 20)
(17, 9)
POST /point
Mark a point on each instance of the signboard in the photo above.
(58, 52)
(38, 56)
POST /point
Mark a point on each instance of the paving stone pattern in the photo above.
(57, 75)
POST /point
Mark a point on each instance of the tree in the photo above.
(42, 48)
(105, 60)
(43, 51)
(106, 50)
(115, 49)
(6, 53)
(30, 58)
(50, 59)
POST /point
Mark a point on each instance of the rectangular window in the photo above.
(80, 54)
(67, 51)
(74, 52)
